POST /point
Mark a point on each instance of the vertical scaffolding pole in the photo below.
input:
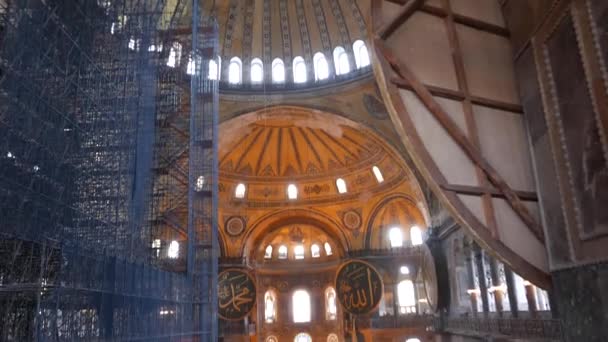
(203, 177)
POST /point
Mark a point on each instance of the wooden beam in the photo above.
(478, 191)
(460, 19)
(460, 96)
(460, 138)
(404, 14)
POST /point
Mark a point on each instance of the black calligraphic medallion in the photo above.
(236, 294)
(359, 287)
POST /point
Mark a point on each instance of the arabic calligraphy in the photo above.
(359, 287)
(236, 294)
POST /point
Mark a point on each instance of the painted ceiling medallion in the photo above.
(235, 225)
(351, 220)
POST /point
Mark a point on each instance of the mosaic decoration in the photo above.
(374, 107)
(248, 35)
(285, 32)
(304, 36)
(337, 11)
(236, 294)
(320, 16)
(358, 17)
(351, 220)
(235, 225)
(266, 32)
(359, 287)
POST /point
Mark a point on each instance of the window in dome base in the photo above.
(268, 252)
(292, 191)
(239, 192)
(235, 71)
(378, 174)
(341, 61)
(278, 71)
(283, 252)
(341, 184)
(321, 67)
(299, 70)
(257, 71)
(361, 54)
(328, 250)
(298, 252)
(315, 251)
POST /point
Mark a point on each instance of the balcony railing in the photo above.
(528, 328)
(396, 322)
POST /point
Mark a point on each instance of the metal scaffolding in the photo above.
(108, 171)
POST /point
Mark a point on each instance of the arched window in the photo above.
(404, 270)
(341, 184)
(257, 71)
(412, 340)
(191, 68)
(301, 306)
(416, 236)
(214, 68)
(406, 297)
(200, 183)
(298, 252)
(283, 252)
(378, 174)
(175, 55)
(272, 339)
(302, 337)
(292, 191)
(331, 310)
(332, 338)
(173, 251)
(341, 61)
(268, 252)
(396, 237)
(315, 251)
(361, 54)
(327, 247)
(235, 71)
(239, 192)
(321, 67)
(270, 307)
(278, 71)
(299, 70)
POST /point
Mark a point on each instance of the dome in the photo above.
(322, 156)
(311, 42)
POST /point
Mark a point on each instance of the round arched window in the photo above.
(302, 337)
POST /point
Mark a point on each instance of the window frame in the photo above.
(297, 77)
(235, 62)
(257, 63)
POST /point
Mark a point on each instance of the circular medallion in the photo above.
(429, 274)
(352, 220)
(235, 225)
(236, 294)
(359, 287)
